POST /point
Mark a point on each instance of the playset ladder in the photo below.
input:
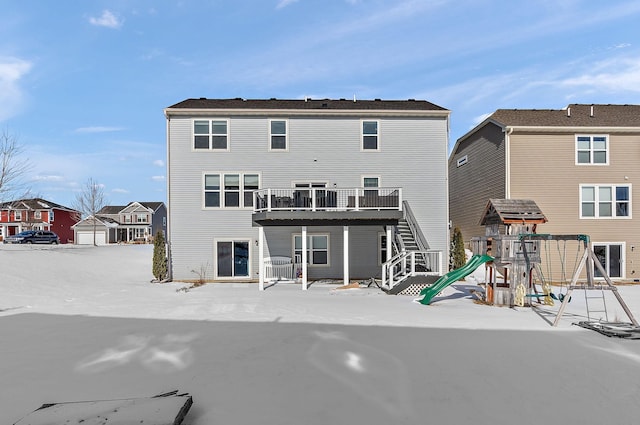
(601, 305)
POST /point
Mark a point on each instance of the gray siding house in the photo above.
(578, 164)
(327, 184)
(134, 222)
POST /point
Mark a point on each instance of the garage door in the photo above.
(86, 238)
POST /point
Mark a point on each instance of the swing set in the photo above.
(534, 274)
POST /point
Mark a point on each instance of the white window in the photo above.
(50, 216)
(37, 214)
(211, 134)
(317, 249)
(592, 149)
(278, 135)
(382, 248)
(605, 201)
(230, 190)
(370, 136)
(17, 215)
(611, 256)
(141, 218)
(461, 161)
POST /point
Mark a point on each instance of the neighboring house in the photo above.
(37, 214)
(135, 222)
(579, 164)
(328, 184)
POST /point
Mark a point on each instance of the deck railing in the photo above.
(327, 199)
(411, 263)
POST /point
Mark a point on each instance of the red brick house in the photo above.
(37, 214)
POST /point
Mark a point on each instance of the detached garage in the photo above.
(105, 231)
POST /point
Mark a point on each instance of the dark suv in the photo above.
(33, 236)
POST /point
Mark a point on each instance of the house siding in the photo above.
(412, 155)
(480, 179)
(543, 168)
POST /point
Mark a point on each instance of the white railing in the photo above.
(279, 268)
(327, 199)
(411, 263)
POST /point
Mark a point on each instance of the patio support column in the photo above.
(261, 258)
(304, 258)
(345, 250)
(388, 247)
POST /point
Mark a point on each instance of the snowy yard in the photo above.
(85, 323)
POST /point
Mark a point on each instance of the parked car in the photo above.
(33, 236)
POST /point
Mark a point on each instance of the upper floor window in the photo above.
(37, 214)
(370, 135)
(17, 215)
(278, 135)
(230, 190)
(592, 149)
(211, 134)
(141, 218)
(605, 201)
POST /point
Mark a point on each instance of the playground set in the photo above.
(524, 268)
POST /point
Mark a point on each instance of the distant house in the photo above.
(135, 222)
(579, 164)
(344, 189)
(37, 214)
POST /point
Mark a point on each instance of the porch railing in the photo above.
(327, 199)
(410, 263)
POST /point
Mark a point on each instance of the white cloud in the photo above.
(158, 163)
(614, 75)
(157, 178)
(117, 190)
(285, 3)
(97, 129)
(47, 178)
(107, 19)
(12, 70)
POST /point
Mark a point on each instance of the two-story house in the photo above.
(326, 183)
(578, 164)
(37, 214)
(135, 222)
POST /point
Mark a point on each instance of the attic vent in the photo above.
(462, 161)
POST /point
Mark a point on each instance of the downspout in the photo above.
(507, 162)
(168, 235)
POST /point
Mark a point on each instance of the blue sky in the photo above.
(83, 84)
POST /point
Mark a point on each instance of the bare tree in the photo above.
(89, 201)
(13, 166)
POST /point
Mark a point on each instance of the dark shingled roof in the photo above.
(308, 104)
(34, 204)
(111, 209)
(575, 115)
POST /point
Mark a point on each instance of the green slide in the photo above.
(453, 276)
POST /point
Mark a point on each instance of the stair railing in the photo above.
(403, 265)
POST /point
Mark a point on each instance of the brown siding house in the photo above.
(579, 164)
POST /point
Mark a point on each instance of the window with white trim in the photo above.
(211, 134)
(17, 215)
(382, 248)
(229, 190)
(37, 214)
(461, 161)
(370, 136)
(593, 150)
(278, 135)
(605, 201)
(317, 249)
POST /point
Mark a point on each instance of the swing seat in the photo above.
(559, 297)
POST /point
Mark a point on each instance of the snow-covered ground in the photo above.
(85, 323)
